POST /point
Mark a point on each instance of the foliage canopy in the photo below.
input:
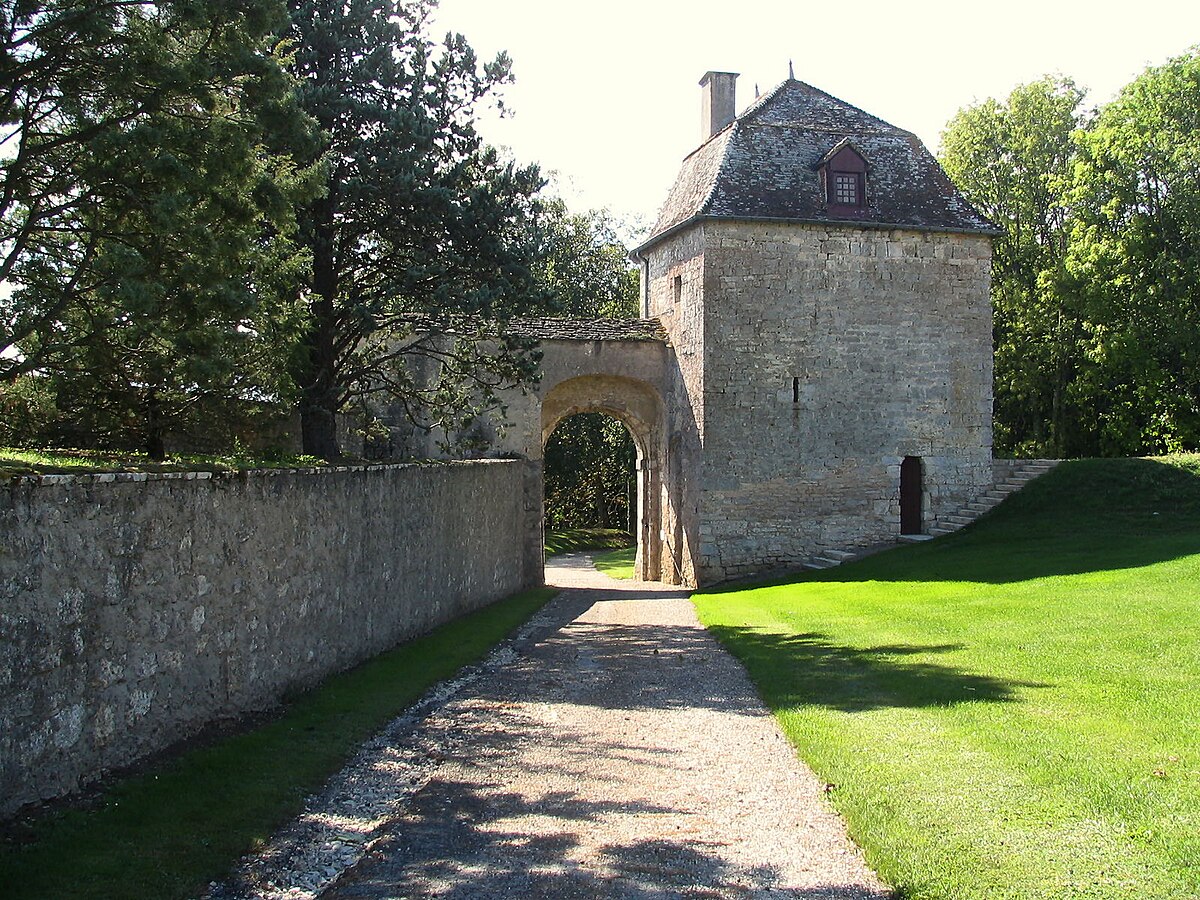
(143, 212)
(419, 244)
(1096, 274)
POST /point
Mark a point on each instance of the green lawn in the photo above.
(1013, 711)
(16, 461)
(168, 832)
(616, 563)
(574, 539)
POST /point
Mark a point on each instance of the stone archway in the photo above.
(638, 406)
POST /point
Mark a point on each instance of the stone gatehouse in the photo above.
(813, 369)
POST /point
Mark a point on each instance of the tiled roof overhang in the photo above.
(763, 167)
(562, 329)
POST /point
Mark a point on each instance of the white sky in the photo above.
(606, 94)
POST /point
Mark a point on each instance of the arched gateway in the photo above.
(638, 406)
(621, 369)
(815, 352)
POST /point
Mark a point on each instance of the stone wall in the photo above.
(828, 353)
(675, 295)
(135, 609)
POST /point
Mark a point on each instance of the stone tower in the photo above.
(825, 290)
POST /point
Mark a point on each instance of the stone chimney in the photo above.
(717, 102)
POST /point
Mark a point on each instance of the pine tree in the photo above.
(419, 254)
(143, 214)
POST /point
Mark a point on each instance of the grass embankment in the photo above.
(16, 461)
(169, 831)
(1014, 711)
(616, 563)
(572, 540)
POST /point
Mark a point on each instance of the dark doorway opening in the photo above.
(911, 496)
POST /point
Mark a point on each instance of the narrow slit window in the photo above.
(795, 391)
(677, 289)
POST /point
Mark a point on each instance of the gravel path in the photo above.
(612, 749)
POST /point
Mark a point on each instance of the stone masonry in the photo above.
(812, 370)
(826, 292)
(136, 609)
(828, 355)
(816, 329)
(813, 367)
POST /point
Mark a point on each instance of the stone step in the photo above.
(839, 555)
(1014, 475)
(915, 538)
(820, 562)
(1028, 473)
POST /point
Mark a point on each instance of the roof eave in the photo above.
(638, 253)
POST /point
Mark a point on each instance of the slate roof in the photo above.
(764, 166)
(558, 329)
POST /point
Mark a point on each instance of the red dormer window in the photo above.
(844, 175)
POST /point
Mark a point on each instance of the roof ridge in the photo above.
(712, 188)
(758, 104)
(892, 130)
(568, 328)
(761, 99)
(752, 172)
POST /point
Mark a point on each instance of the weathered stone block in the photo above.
(265, 584)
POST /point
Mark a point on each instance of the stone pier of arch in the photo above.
(624, 369)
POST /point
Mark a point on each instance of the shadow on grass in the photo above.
(798, 669)
(497, 820)
(794, 670)
(1091, 515)
(573, 540)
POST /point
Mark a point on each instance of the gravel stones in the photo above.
(610, 749)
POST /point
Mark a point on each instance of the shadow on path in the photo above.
(620, 754)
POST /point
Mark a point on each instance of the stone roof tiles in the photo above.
(560, 329)
(764, 166)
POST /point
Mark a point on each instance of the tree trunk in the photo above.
(156, 447)
(318, 432)
(318, 376)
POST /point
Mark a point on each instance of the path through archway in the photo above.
(589, 469)
(637, 406)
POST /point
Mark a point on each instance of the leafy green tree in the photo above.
(143, 213)
(589, 461)
(1136, 248)
(27, 411)
(583, 265)
(1014, 161)
(589, 473)
(419, 247)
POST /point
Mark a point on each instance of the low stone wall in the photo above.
(135, 609)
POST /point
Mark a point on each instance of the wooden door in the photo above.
(911, 492)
